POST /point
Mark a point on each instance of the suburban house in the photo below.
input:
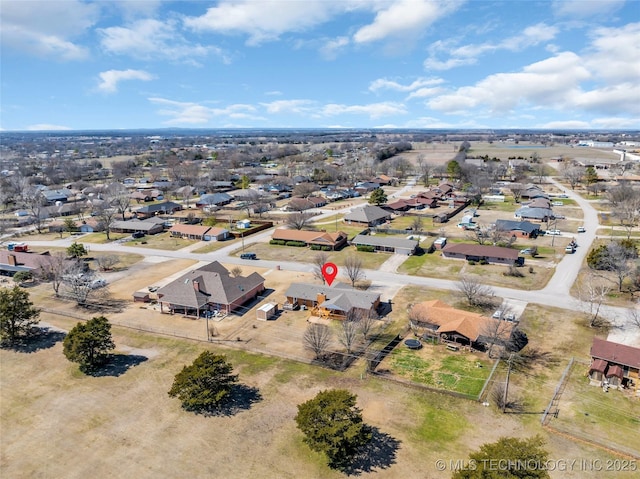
(147, 195)
(476, 252)
(614, 365)
(321, 238)
(521, 229)
(538, 203)
(438, 319)
(536, 214)
(387, 244)
(338, 302)
(213, 199)
(137, 226)
(53, 196)
(148, 211)
(198, 232)
(90, 225)
(533, 191)
(208, 289)
(12, 262)
(301, 204)
(368, 215)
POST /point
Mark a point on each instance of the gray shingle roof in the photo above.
(341, 295)
(388, 241)
(367, 214)
(511, 225)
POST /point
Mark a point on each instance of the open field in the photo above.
(125, 424)
(503, 151)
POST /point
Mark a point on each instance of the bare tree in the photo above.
(106, 214)
(618, 261)
(495, 332)
(35, 204)
(353, 269)
(319, 261)
(424, 169)
(107, 262)
(78, 284)
(476, 293)
(118, 197)
(55, 269)
(625, 205)
(592, 291)
(317, 338)
(348, 334)
(236, 271)
(298, 220)
(304, 190)
(416, 224)
(366, 324)
(573, 175)
(633, 315)
(480, 234)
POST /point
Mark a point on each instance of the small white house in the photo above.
(266, 311)
(243, 224)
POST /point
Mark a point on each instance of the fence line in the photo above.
(557, 393)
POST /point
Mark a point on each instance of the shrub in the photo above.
(297, 244)
(471, 262)
(483, 261)
(365, 248)
(326, 248)
(315, 247)
(277, 242)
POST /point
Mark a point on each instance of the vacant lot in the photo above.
(60, 423)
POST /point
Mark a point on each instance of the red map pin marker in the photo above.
(329, 272)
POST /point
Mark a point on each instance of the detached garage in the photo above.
(266, 311)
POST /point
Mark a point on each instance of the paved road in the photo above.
(556, 293)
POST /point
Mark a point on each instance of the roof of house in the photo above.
(195, 230)
(53, 195)
(309, 236)
(526, 212)
(166, 206)
(388, 241)
(214, 199)
(615, 353)
(211, 283)
(599, 365)
(481, 250)
(341, 297)
(24, 261)
(367, 214)
(134, 225)
(452, 320)
(511, 225)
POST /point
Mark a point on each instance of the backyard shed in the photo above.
(266, 311)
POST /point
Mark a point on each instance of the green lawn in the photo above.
(101, 238)
(437, 367)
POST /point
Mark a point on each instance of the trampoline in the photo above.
(412, 343)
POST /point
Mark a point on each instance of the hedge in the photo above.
(278, 242)
(365, 248)
(298, 244)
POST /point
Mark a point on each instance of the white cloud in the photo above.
(45, 28)
(385, 84)
(290, 106)
(46, 127)
(332, 47)
(615, 53)
(373, 110)
(583, 8)
(404, 18)
(153, 39)
(470, 54)
(191, 113)
(111, 78)
(263, 20)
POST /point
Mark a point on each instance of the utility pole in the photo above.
(506, 386)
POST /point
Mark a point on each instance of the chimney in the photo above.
(12, 260)
(196, 285)
(320, 298)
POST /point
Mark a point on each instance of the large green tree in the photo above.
(88, 344)
(205, 384)
(507, 458)
(332, 425)
(17, 314)
(76, 250)
(378, 197)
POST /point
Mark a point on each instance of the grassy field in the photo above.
(434, 366)
(162, 241)
(123, 424)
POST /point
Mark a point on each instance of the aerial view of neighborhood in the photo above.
(319, 239)
(325, 302)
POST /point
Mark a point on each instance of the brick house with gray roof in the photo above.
(368, 215)
(209, 288)
(338, 302)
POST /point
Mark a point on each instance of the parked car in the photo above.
(554, 232)
(498, 314)
(569, 249)
(581, 229)
(559, 217)
(138, 234)
(557, 203)
(98, 283)
(563, 196)
(526, 251)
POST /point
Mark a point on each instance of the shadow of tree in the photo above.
(117, 365)
(40, 338)
(241, 398)
(379, 453)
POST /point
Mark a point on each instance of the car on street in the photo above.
(569, 249)
(248, 256)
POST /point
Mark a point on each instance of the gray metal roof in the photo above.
(388, 241)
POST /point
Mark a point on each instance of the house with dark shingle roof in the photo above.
(615, 365)
(209, 288)
(148, 227)
(537, 214)
(387, 244)
(476, 252)
(214, 199)
(522, 229)
(338, 302)
(148, 211)
(368, 215)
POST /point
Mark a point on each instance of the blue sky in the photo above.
(79, 65)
